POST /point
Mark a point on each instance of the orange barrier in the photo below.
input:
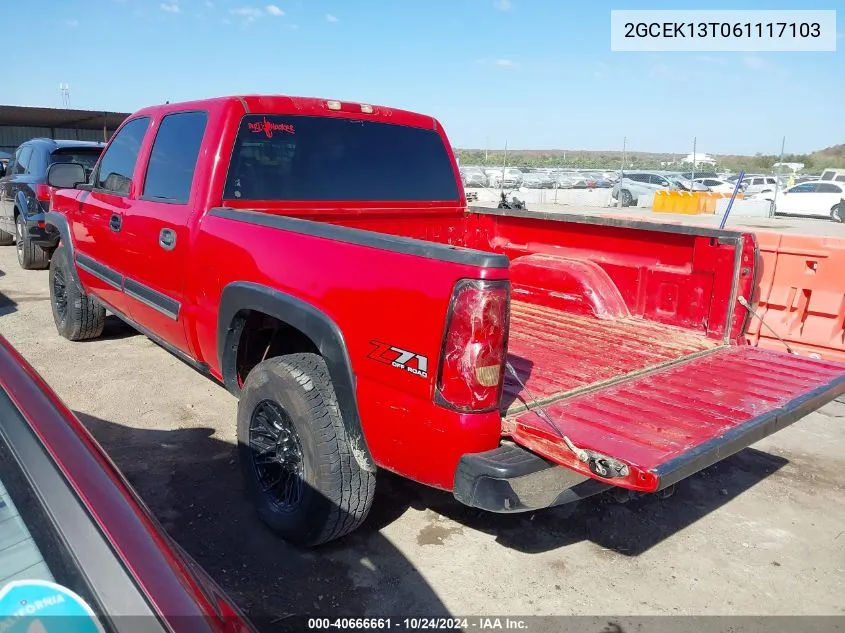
(801, 295)
(688, 203)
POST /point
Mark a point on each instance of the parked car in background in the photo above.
(718, 185)
(25, 196)
(684, 184)
(698, 174)
(509, 178)
(760, 184)
(814, 199)
(836, 175)
(537, 180)
(71, 524)
(474, 177)
(565, 180)
(633, 184)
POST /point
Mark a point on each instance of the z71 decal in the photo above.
(399, 358)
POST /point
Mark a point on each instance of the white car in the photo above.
(512, 177)
(760, 184)
(815, 199)
(719, 186)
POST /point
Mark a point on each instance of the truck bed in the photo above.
(557, 354)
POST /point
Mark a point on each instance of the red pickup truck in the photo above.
(319, 259)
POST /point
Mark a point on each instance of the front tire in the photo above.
(836, 213)
(77, 316)
(626, 198)
(295, 454)
(30, 255)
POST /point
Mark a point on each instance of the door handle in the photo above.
(115, 222)
(167, 239)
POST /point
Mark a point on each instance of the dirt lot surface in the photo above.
(761, 533)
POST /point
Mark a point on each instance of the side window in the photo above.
(807, 187)
(174, 157)
(840, 178)
(38, 160)
(824, 187)
(11, 166)
(22, 162)
(828, 175)
(758, 181)
(118, 163)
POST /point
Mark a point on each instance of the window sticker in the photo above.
(269, 127)
(38, 606)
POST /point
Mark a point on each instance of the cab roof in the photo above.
(305, 106)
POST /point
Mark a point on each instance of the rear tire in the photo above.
(78, 317)
(626, 198)
(295, 454)
(836, 213)
(30, 255)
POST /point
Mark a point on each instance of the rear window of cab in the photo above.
(313, 158)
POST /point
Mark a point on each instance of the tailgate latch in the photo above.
(605, 466)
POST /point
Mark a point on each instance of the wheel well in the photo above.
(263, 336)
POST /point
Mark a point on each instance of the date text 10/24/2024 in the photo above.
(418, 624)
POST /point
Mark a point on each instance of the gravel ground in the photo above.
(761, 533)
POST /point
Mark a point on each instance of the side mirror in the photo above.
(65, 175)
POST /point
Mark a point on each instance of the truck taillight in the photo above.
(473, 356)
(42, 192)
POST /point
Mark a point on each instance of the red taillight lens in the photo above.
(473, 356)
(42, 192)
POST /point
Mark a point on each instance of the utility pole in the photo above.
(694, 158)
(64, 91)
(777, 181)
(486, 147)
(624, 152)
(504, 166)
(622, 171)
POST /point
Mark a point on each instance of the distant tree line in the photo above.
(760, 163)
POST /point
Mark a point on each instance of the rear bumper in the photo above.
(37, 231)
(513, 479)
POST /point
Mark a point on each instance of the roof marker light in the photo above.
(333, 105)
(366, 108)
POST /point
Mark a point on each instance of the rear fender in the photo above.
(316, 325)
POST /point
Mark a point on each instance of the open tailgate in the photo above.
(668, 424)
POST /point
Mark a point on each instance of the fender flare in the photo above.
(313, 323)
(57, 222)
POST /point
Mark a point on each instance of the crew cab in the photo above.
(318, 258)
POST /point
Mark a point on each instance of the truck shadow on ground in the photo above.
(192, 483)
(115, 329)
(7, 305)
(630, 528)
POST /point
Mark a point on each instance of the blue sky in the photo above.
(534, 73)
